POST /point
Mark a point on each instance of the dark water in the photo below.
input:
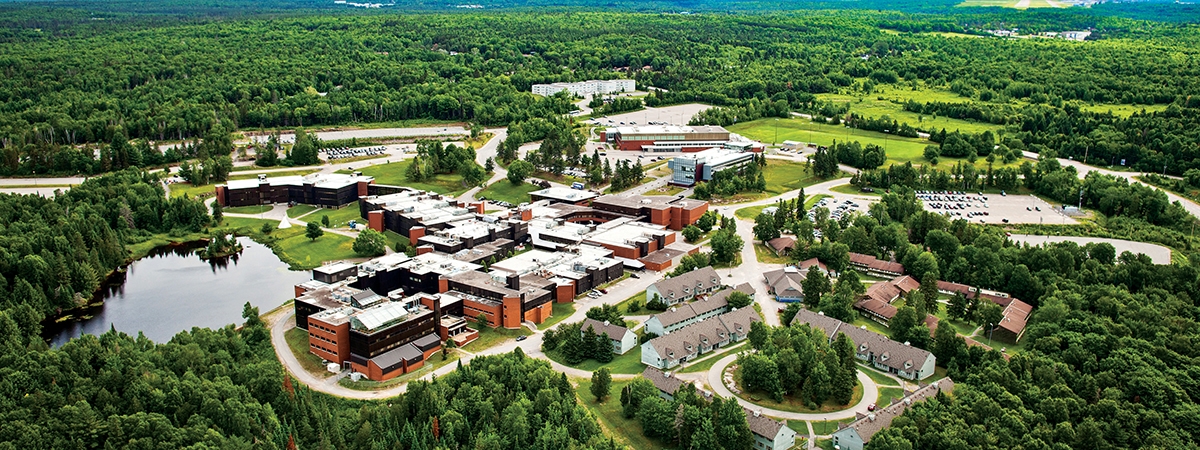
(173, 290)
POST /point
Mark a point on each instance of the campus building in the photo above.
(689, 342)
(687, 170)
(504, 300)
(900, 359)
(380, 337)
(874, 266)
(637, 244)
(327, 190)
(667, 138)
(451, 225)
(575, 270)
(856, 435)
(685, 314)
(671, 212)
(585, 88)
(684, 287)
(621, 338)
(563, 195)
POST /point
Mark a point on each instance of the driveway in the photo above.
(1157, 253)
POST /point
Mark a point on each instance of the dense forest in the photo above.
(181, 82)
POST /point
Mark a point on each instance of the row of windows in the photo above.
(318, 347)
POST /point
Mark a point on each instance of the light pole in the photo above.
(990, 334)
(776, 140)
(885, 140)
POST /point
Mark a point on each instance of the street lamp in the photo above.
(885, 140)
(776, 140)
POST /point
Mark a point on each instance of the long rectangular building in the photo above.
(329, 190)
(687, 170)
(897, 358)
(585, 88)
(668, 138)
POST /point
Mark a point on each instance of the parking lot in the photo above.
(667, 115)
(993, 208)
(346, 152)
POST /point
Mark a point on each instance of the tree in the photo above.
(758, 335)
(370, 243)
(726, 245)
(765, 228)
(472, 174)
(989, 315)
(304, 151)
(313, 231)
(482, 321)
(815, 285)
(217, 213)
(789, 313)
(957, 309)
(707, 221)
(518, 171)
(267, 228)
(601, 384)
(325, 220)
(692, 233)
(705, 437)
(572, 348)
(739, 299)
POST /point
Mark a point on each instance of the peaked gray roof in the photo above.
(406, 352)
(685, 285)
(867, 426)
(708, 331)
(661, 380)
(887, 352)
(614, 332)
(762, 425)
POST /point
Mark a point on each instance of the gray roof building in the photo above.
(898, 358)
(857, 434)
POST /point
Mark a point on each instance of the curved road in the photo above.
(870, 395)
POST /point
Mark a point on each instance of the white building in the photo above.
(585, 88)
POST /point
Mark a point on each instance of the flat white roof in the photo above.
(670, 129)
(566, 194)
(334, 268)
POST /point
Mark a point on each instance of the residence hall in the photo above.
(585, 88)
(621, 339)
(379, 336)
(691, 168)
(874, 266)
(769, 434)
(685, 286)
(327, 190)
(684, 314)
(689, 342)
(900, 359)
(856, 435)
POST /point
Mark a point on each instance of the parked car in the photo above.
(521, 338)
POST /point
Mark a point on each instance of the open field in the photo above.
(292, 247)
(793, 404)
(254, 209)
(300, 210)
(899, 149)
(766, 255)
(888, 100)
(630, 363)
(504, 190)
(394, 174)
(490, 337)
(560, 311)
(1122, 110)
(297, 340)
(782, 177)
(625, 431)
(181, 189)
(337, 217)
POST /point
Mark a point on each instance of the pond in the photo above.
(173, 290)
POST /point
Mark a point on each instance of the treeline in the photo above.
(433, 159)
(884, 124)
(688, 420)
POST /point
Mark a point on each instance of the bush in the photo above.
(267, 228)
(370, 243)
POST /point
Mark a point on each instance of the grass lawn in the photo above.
(872, 325)
(887, 394)
(792, 404)
(1122, 110)
(712, 358)
(899, 149)
(300, 210)
(877, 376)
(640, 297)
(299, 251)
(435, 362)
(625, 431)
(394, 174)
(630, 363)
(504, 190)
(799, 426)
(939, 372)
(282, 173)
(812, 200)
(666, 190)
(850, 189)
(782, 177)
(256, 209)
(825, 427)
(394, 237)
(888, 100)
(766, 255)
(141, 249)
(489, 337)
(181, 189)
(561, 311)
(338, 217)
(750, 212)
(297, 340)
(478, 141)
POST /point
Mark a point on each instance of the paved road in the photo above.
(36, 181)
(1084, 169)
(1157, 253)
(370, 133)
(870, 395)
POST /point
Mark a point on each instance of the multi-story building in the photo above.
(671, 212)
(456, 224)
(684, 287)
(685, 314)
(689, 342)
(585, 88)
(621, 338)
(667, 138)
(575, 269)
(328, 190)
(875, 266)
(857, 434)
(505, 300)
(900, 359)
(687, 170)
(563, 195)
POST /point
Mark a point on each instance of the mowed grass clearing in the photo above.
(899, 149)
(504, 190)
(181, 189)
(292, 247)
(626, 431)
(394, 174)
(337, 217)
(889, 101)
(1122, 110)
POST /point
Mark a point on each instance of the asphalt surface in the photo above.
(1157, 253)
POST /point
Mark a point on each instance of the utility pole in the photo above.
(1080, 199)
(776, 140)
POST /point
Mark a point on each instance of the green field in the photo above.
(338, 217)
(393, 174)
(630, 363)
(899, 149)
(792, 404)
(767, 255)
(561, 311)
(297, 340)
(848, 189)
(625, 431)
(179, 189)
(489, 337)
(640, 297)
(782, 177)
(504, 190)
(292, 247)
(1122, 110)
(888, 100)
(708, 361)
(300, 210)
(877, 376)
(282, 173)
(256, 209)
(887, 394)
(825, 428)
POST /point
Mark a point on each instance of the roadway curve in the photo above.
(870, 395)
